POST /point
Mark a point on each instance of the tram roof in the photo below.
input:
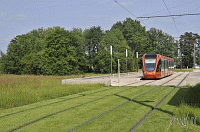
(165, 57)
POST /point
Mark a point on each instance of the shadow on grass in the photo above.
(141, 103)
(187, 94)
(189, 97)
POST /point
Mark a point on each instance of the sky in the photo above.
(22, 16)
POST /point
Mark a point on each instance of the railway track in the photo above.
(39, 119)
(115, 94)
(128, 102)
(146, 115)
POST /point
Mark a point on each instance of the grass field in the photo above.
(19, 90)
(183, 70)
(65, 115)
(183, 100)
(56, 107)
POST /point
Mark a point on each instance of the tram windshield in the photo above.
(150, 62)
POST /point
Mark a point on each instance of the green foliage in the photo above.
(31, 63)
(60, 56)
(161, 43)
(139, 40)
(1, 62)
(56, 51)
(113, 38)
(93, 37)
(187, 42)
(80, 49)
(53, 51)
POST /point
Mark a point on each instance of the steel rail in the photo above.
(60, 100)
(144, 117)
(66, 110)
(118, 106)
(52, 103)
(75, 107)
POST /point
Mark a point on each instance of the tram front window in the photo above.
(150, 63)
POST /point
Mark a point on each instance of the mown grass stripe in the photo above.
(109, 111)
(132, 83)
(136, 125)
(119, 106)
(51, 103)
(65, 110)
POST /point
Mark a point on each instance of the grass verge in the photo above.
(183, 70)
(19, 90)
(182, 101)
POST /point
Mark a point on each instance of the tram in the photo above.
(156, 66)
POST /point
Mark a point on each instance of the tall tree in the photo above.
(80, 49)
(161, 43)
(113, 38)
(62, 52)
(93, 37)
(135, 36)
(188, 43)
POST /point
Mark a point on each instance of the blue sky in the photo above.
(21, 16)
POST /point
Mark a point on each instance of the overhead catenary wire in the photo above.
(190, 13)
(129, 12)
(171, 17)
(171, 7)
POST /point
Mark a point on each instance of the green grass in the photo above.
(8, 123)
(123, 118)
(183, 70)
(63, 107)
(19, 90)
(177, 104)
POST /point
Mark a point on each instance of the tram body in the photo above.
(157, 66)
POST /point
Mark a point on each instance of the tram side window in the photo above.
(167, 64)
(163, 64)
(159, 66)
(170, 65)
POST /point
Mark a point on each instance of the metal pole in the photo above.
(137, 60)
(118, 71)
(111, 58)
(199, 54)
(194, 56)
(126, 59)
(181, 55)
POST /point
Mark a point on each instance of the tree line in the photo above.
(56, 51)
(189, 50)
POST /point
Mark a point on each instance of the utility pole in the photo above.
(126, 59)
(199, 52)
(118, 71)
(194, 61)
(137, 60)
(111, 59)
(181, 55)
